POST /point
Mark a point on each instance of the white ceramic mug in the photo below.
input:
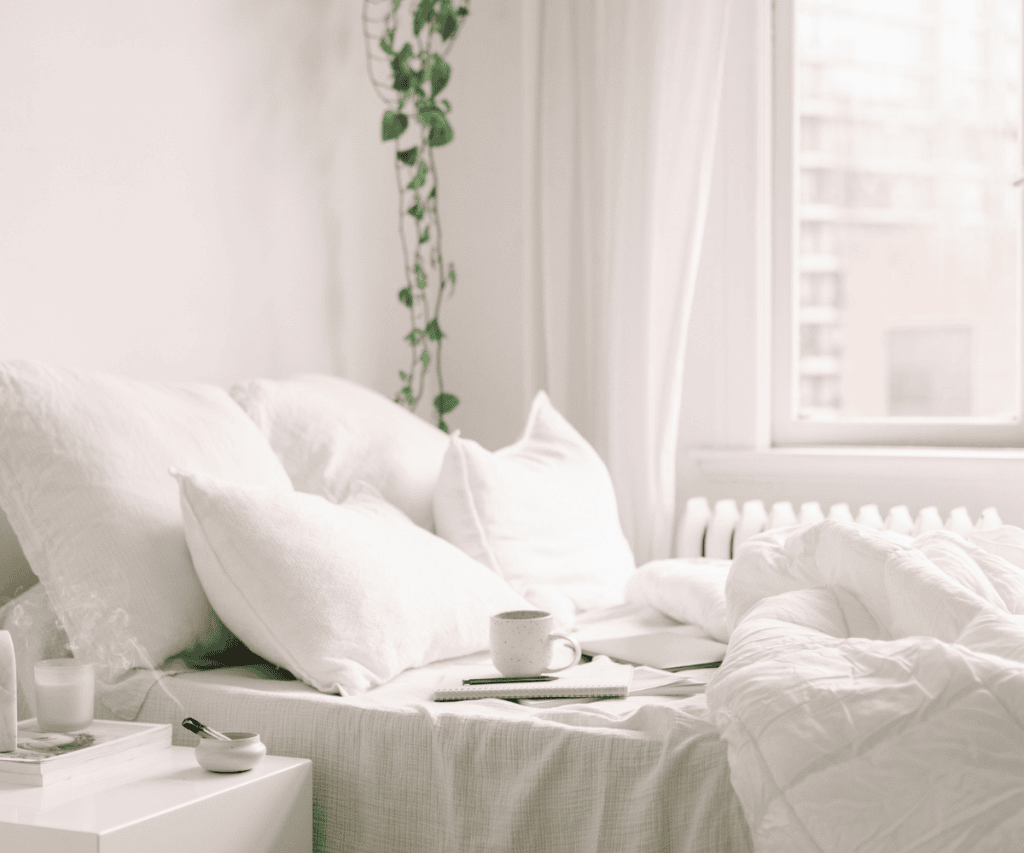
(522, 643)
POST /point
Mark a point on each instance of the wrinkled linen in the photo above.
(872, 697)
(394, 771)
(689, 590)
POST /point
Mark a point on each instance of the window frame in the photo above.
(786, 429)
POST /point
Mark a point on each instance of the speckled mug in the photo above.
(522, 642)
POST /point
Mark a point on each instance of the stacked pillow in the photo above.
(329, 579)
(330, 433)
(83, 480)
(345, 596)
(540, 513)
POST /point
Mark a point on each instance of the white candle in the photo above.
(8, 694)
(64, 695)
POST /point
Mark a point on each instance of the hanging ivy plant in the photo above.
(407, 42)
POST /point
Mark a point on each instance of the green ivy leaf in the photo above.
(408, 156)
(434, 332)
(425, 235)
(440, 74)
(447, 24)
(417, 210)
(425, 359)
(407, 393)
(424, 14)
(405, 377)
(441, 132)
(393, 125)
(462, 11)
(441, 425)
(445, 402)
(415, 336)
(405, 296)
(433, 192)
(385, 45)
(404, 77)
(421, 277)
(420, 179)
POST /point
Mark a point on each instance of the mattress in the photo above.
(395, 771)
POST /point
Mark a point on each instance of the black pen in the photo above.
(512, 679)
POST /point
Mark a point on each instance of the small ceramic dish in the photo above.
(243, 752)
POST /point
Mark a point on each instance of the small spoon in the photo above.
(193, 725)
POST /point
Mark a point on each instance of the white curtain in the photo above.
(623, 101)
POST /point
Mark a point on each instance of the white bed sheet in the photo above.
(395, 771)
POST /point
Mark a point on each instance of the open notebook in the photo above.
(585, 681)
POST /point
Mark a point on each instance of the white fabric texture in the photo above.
(344, 596)
(330, 432)
(623, 115)
(83, 480)
(872, 696)
(394, 772)
(541, 513)
(691, 591)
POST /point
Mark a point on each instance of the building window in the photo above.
(897, 161)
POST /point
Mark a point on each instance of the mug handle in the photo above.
(578, 652)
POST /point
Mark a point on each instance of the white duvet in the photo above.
(873, 694)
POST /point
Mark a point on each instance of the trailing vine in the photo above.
(409, 78)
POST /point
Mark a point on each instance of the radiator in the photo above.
(706, 531)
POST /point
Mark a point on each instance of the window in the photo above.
(897, 213)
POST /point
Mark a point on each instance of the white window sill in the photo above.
(863, 463)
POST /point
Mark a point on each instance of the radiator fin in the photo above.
(718, 532)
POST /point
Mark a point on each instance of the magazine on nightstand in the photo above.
(44, 757)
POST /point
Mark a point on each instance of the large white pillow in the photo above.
(83, 480)
(540, 513)
(344, 596)
(330, 432)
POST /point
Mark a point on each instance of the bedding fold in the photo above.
(691, 591)
(872, 697)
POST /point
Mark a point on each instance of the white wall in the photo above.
(153, 219)
(198, 190)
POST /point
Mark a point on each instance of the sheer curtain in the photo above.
(622, 104)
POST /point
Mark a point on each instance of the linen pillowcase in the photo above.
(540, 513)
(344, 596)
(83, 480)
(329, 432)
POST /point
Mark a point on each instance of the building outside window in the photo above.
(898, 221)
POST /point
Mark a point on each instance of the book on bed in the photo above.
(586, 681)
(670, 650)
(44, 757)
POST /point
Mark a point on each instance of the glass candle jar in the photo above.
(65, 694)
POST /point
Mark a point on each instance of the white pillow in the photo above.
(344, 596)
(330, 432)
(83, 480)
(539, 512)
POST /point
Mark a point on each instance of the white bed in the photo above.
(870, 698)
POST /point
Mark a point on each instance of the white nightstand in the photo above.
(165, 803)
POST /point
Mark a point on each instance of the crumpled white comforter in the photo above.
(872, 697)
